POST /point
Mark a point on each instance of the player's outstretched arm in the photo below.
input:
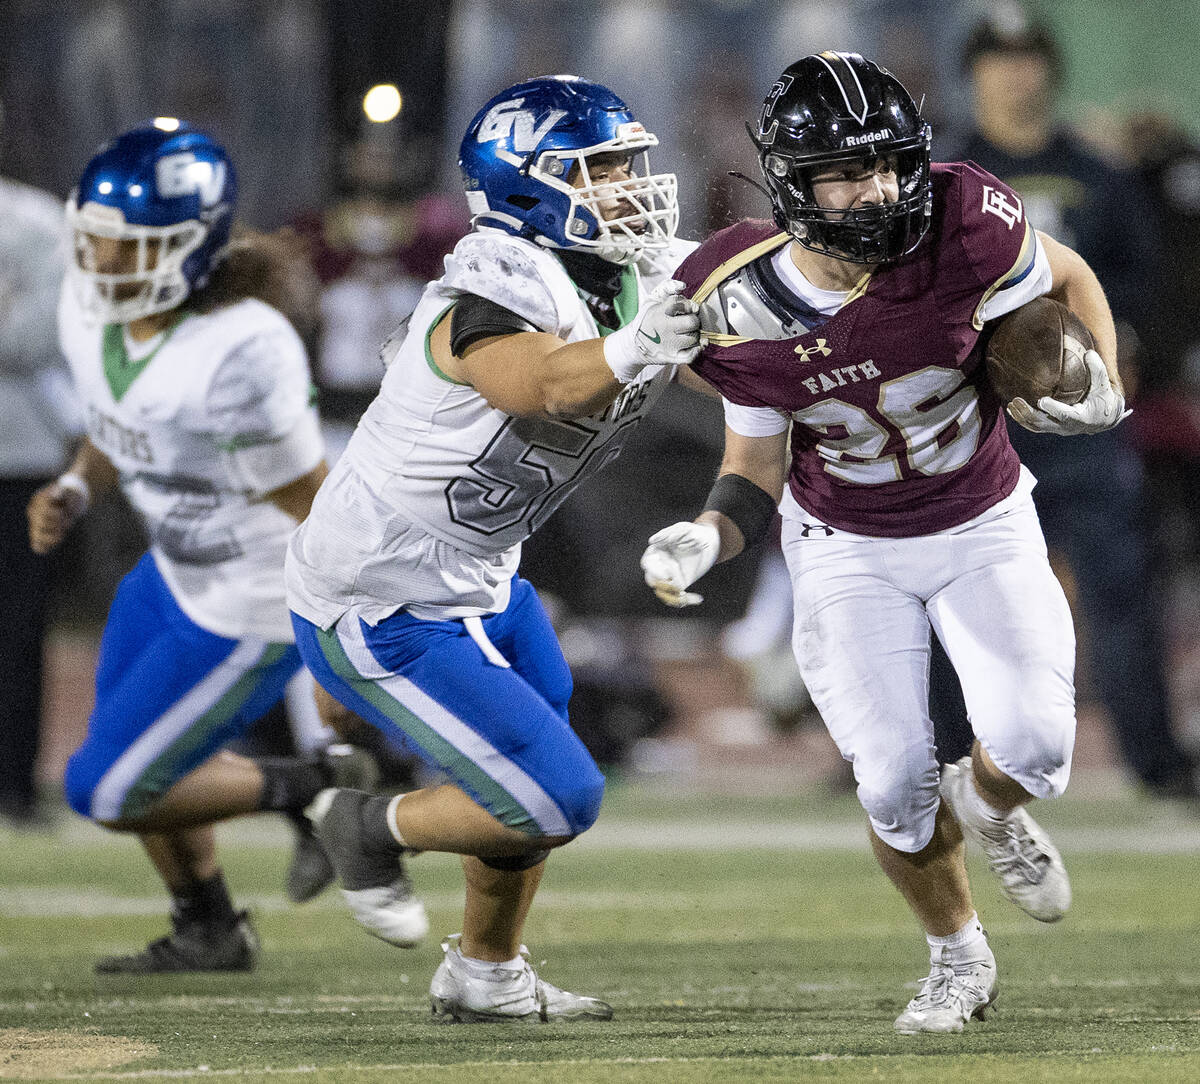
(533, 373)
(55, 507)
(738, 512)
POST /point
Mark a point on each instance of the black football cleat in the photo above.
(311, 870)
(194, 946)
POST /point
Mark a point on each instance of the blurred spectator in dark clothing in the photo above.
(1167, 159)
(1166, 424)
(39, 421)
(381, 239)
(1091, 493)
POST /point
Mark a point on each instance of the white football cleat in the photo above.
(1018, 850)
(950, 995)
(374, 884)
(504, 993)
(390, 912)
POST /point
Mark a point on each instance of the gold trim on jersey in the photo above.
(736, 263)
(1024, 257)
(857, 291)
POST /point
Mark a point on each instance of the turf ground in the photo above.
(738, 939)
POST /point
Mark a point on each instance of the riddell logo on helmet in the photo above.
(868, 137)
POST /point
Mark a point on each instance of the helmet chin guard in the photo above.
(155, 283)
(526, 147)
(837, 108)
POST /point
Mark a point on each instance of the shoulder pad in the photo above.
(512, 273)
(724, 252)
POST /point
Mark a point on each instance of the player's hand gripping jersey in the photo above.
(200, 423)
(436, 491)
(895, 430)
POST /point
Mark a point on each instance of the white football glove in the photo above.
(1101, 409)
(677, 557)
(666, 331)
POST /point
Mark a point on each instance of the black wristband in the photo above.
(475, 318)
(749, 507)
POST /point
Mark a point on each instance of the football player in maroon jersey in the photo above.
(854, 320)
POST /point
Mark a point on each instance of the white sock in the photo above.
(981, 805)
(391, 820)
(481, 969)
(963, 944)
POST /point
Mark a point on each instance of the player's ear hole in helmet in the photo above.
(562, 162)
(838, 109)
(150, 219)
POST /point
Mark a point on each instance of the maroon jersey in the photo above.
(895, 430)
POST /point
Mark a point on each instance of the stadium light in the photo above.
(382, 103)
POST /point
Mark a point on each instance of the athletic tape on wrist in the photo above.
(621, 354)
(76, 483)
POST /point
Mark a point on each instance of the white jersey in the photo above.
(429, 504)
(200, 423)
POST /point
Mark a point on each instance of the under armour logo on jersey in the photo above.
(821, 348)
(997, 203)
(806, 529)
(184, 175)
(508, 118)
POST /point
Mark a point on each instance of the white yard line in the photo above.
(446, 1068)
(1162, 833)
(654, 835)
(1169, 837)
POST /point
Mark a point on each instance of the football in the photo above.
(1037, 350)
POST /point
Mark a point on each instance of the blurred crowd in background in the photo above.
(281, 84)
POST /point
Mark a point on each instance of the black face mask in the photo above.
(590, 273)
(875, 234)
(597, 280)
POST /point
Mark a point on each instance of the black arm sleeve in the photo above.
(748, 506)
(476, 318)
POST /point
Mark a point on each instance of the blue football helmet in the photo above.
(524, 162)
(169, 191)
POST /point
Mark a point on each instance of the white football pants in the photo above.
(864, 608)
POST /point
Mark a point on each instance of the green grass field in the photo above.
(738, 939)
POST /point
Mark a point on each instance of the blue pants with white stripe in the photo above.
(169, 694)
(489, 711)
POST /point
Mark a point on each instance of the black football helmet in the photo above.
(838, 107)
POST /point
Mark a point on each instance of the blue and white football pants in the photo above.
(169, 694)
(487, 708)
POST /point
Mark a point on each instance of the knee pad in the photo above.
(1035, 742)
(581, 803)
(517, 862)
(903, 818)
(1041, 762)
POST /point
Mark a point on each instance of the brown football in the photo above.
(1037, 350)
